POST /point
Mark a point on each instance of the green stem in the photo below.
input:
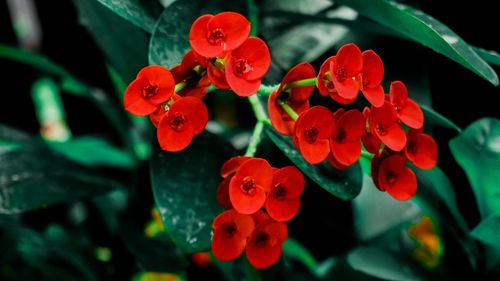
(255, 139)
(300, 83)
(180, 86)
(258, 109)
(366, 154)
(289, 110)
(265, 90)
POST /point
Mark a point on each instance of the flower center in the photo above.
(412, 148)
(261, 239)
(380, 129)
(216, 37)
(242, 67)
(328, 83)
(248, 185)
(340, 137)
(149, 91)
(341, 73)
(177, 121)
(311, 134)
(391, 178)
(279, 192)
(230, 229)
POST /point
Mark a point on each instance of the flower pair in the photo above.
(234, 60)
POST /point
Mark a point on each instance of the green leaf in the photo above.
(293, 249)
(424, 29)
(433, 118)
(124, 45)
(490, 57)
(382, 263)
(477, 151)
(184, 185)
(136, 12)
(488, 231)
(91, 151)
(345, 185)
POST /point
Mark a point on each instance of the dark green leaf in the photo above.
(136, 11)
(184, 185)
(477, 151)
(435, 119)
(345, 185)
(124, 45)
(293, 249)
(491, 57)
(424, 29)
(488, 231)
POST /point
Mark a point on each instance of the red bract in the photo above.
(297, 98)
(212, 35)
(192, 71)
(371, 142)
(384, 124)
(250, 184)
(407, 110)
(231, 231)
(227, 172)
(325, 83)
(347, 65)
(395, 178)
(312, 132)
(421, 150)
(264, 245)
(246, 65)
(283, 202)
(371, 77)
(153, 86)
(345, 142)
(186, 118)
(217, 75)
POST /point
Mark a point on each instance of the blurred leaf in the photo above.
(294, 250)
(382, 263)
(488, 231)
(124, 45)
(424, 29)
(345, 185)
(91, 151)
(184, 185)
(435, 119)
(490, 57)
(136, 11)
(477, 151)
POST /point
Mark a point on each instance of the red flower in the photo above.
(312, 132)
(192, 71)
(227, 172)
(186, 118)
(153, 86)
(231, 231)
(212, 35)
(201, 259)
(260, 217)
(345, 142)
(158, 114)
(407, 110)
(297, 98)
(370, 141)
(395, 178)
(384, 123)
(371, 77)
(248, 187)
(246, 65)
(217, 75)
(283, 202)
(264, 245)
(421, 150)
(325, 84)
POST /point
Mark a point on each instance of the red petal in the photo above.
(422, 150)
(282, 211)
(335, 163)
(275, 115)
(157, 115)
(224, 217)
(292, 179)
(198, 38)
(336, 97)
(373, 69)
(235, 26)
(398, 93)
(352, 123)
(263, 254)
(134, 101)
(260, 170)
(299, 72)
(394, 138)
(217, 77)
(226, 249)
(347, 89)
(397, 179)
(350, 59)
(256, 53)
(406, 186)
(173, 140)
(375, 95)
(325, 85)
(260, 217)
(194, 110)
(243, 202)
(240, 86)
(232, 165)
(318, 117)
(278, 229)
(223, 193)
(411, 115)
(346, 153)
(314, 153)
(371, 142)
(384, 115)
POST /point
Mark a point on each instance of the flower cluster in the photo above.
(222, 54)
(391, 128)
(250, 185)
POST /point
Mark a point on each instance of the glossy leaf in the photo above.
(424, 29)
(184, 185)
(488, 231)
(433, 118)
(293, 249)
(477, 151)
(490, 57)
(136, 12)
(345, 185)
